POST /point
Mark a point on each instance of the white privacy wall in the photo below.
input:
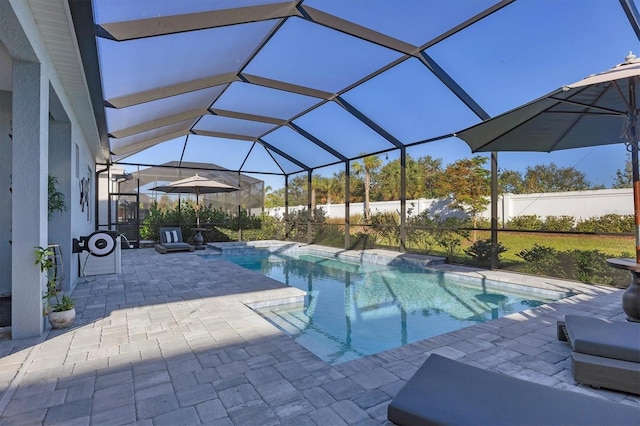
(579, 204)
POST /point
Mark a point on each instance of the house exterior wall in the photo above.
(45, 132)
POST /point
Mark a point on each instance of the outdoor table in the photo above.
(631, 297)
(198, 240)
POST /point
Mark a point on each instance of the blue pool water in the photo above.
(353, 310)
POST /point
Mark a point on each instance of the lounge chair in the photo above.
(444, 391)
(171, 240)
(605, 353)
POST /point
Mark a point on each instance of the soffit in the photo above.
(56, 28)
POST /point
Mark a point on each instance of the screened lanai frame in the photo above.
(249, 88)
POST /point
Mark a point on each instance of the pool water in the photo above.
(354, 310)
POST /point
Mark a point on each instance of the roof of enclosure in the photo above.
(167, 172)
(285, 86)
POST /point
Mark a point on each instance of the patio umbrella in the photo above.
(598, 110)
(195, 185)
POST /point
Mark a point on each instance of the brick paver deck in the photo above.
(171, 341)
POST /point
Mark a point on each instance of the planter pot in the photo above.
(62, 319)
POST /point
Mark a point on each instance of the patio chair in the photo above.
(171, 240)
(605, 353)
(444, 391)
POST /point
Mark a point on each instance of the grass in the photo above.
(515, 242)
(573, 266)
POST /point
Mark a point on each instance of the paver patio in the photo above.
(171, 341)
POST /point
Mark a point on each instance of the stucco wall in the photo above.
(579, 204)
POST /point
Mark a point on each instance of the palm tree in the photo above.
(335, 188)
(370, 165)
(317, 184)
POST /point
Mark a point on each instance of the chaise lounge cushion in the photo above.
(598, 337)
(605, 353)
(171, 240)
(444, 391)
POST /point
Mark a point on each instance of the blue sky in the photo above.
(516, 55)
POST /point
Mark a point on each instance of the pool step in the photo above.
(289, 318)
(250, 248)
(237, 248)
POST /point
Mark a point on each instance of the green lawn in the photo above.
(583, 265)
(613, 246)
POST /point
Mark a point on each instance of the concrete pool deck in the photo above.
(171, 341)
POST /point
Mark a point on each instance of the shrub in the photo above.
(215, 235)
(537, 254)
(386, 227)
(559, 223)
(541, 260)
(483, 223)
(296, 224)
(588, 266)
(449, 235)
(614, 223)
(185, 218)
(480, 251)
(157, 218)
(525, 223)
(420, 237)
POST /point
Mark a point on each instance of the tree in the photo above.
(319, 190)
(389, 181)
(510, 181)
(551, 178)
(624, 178)
(317, 185)
(335, 188)
(421, 175)
(470, 185)
(273, 198)
(432, 177)
(369, 166)
(298, 190)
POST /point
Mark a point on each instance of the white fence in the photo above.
(579, 204)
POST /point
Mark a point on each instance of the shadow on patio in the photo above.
(171, 341)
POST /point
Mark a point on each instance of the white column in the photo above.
(29, 197)
(5, 194)
(60, 166)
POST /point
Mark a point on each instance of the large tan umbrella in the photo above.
(598, 110)
(195, 185)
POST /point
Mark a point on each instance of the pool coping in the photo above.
(547, 287)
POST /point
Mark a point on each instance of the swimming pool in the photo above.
(357, 309)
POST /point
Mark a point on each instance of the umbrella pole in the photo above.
(636, 197)
(633, 140)
(197, 209)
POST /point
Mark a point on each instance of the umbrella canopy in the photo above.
(601, 109)
(195, 185)
(590, 112)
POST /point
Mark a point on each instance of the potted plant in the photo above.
(57, 204)
(55, 198)
(59, 308)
